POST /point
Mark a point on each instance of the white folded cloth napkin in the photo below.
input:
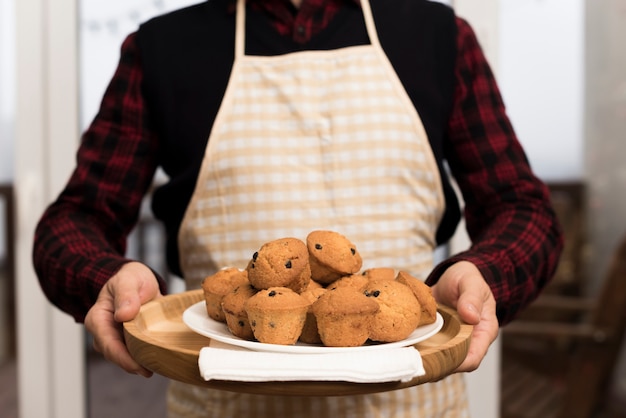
(222, 361)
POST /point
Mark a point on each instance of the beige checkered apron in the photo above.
(315, 140)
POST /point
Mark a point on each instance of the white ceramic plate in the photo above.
(196, 318)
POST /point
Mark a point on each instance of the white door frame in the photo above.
(51, 350)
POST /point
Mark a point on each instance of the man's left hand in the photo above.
(463, 287)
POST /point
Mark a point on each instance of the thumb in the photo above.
(469, 305)
(463, 287)
(133, 285)
(127, 302)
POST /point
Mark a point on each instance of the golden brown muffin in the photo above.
(235, 313)
(399, 311)
(219, 284)
(343, 316)
(356, 281)
(331, 256)
(277, 315)
(424, 295)
(375, 273)
(310, 334)
(313, 285)
(280, 263)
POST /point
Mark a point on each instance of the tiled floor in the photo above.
(115, 393)
(8, 390)
(112, 392)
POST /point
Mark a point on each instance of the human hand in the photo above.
(463, 287)
(119, 301)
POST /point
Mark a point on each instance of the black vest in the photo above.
(187, 56)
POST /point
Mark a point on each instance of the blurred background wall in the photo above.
(605, 141)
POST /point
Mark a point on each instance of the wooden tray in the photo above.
(159, 340)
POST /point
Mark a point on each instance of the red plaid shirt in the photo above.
(516, 239)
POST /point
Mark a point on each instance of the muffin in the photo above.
(235, 313)
(355, 281)
(277, 315)
(310, 334)
(399, 312)
(218, 285)
(280, 263)
(424, 295)
(343, 316)
(331, 256)
(376, 273)
(312, 285)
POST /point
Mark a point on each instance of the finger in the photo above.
(116, 352)
(479, 345)
(108, 340)
(108, 333)
(483, 335)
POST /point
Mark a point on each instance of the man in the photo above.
(275, 118)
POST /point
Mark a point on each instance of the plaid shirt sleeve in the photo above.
(516, 239)
(81, 238)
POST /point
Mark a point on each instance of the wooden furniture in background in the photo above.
(563, 368)
(569, 200)
(8, 302)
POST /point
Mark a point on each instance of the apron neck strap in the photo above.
(369, 23)
(240, 28)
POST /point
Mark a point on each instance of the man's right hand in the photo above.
(119, 301)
